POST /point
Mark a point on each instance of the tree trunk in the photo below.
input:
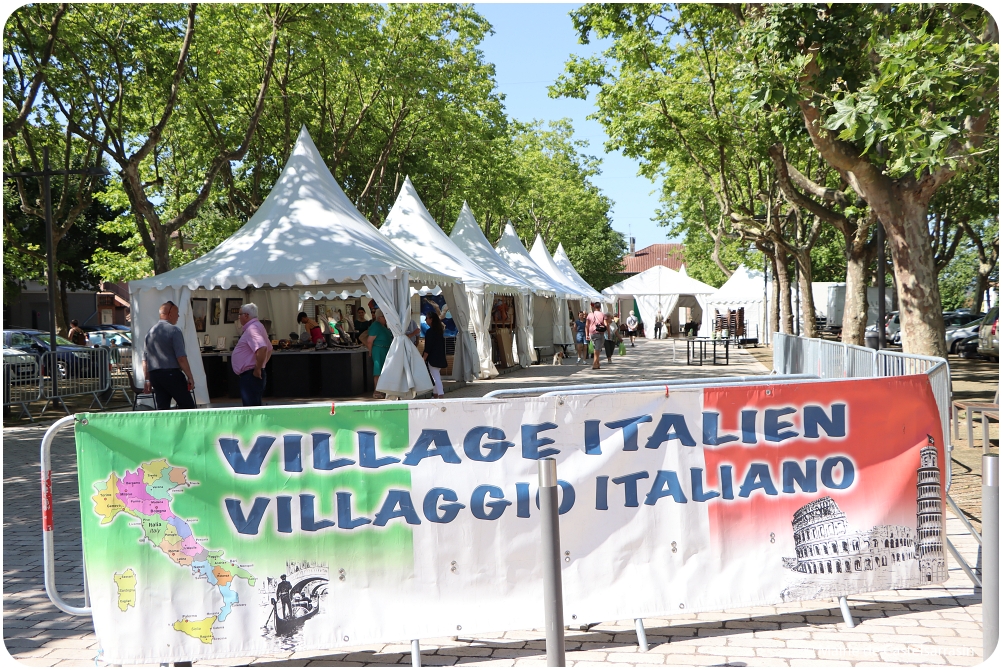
(161, 257)
(803, 260)
(904, 214)
(980, 286)
(783, 279)
(856, 304)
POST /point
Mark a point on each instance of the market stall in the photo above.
(305, 240)
(549, 304)
(411, 227)
(681, 299)
(511, 316)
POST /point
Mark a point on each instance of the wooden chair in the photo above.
(971, 407)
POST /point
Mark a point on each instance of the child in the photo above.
(313, 328)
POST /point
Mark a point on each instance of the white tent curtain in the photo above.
(480, 315)
(144, 319)
(466, 361)
(561, 322)
(649, 306)
(404, 372)
(524, 333)
(280, 305)
(542, 317)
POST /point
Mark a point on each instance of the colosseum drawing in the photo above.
(834, 560)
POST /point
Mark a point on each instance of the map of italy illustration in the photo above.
(146, 495)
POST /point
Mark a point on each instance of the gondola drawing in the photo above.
(295, 604)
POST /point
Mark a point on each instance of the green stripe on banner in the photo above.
(160, 500)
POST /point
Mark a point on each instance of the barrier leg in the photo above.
(553, 597)
(970, 428)
(641, 635)
(990, 555)
(846, 614)
(415, 653)
(985, 442)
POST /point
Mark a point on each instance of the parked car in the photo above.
(988, 335)
(110, 338)
(960, 317)
(956, 334)
(968, 348)
(892, 328)
(71, 360)
(19, 363)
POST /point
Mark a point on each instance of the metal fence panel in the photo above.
(72, 373)
(22, 381)
(837, 360)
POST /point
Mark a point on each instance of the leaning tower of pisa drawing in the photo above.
(929, 531)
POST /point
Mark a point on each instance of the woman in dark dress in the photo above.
(434, 351)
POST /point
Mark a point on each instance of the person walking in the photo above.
(379, 340)
(659, 322)
(434, 351)
(612, 337)
(580, 340)
(595, 330)
(250, 357)
(165, 362)
(77, 335)
(631, 327)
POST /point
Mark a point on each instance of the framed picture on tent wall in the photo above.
(199, 309)
(215, 311)
(233, 306)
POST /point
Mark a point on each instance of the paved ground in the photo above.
(935, 626)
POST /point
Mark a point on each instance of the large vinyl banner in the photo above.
(220, 533)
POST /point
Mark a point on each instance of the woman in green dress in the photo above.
(379, 340)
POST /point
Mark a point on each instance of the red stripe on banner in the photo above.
(889, 420)
(47, 501)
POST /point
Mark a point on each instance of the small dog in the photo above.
(558, 358)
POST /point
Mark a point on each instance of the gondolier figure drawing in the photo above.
(284, 595)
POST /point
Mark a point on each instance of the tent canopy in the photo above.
(565, 265)
(744, 286)
(468, 237)
(411, 227)
(512, 250)
(659, 280)
(662, 289)
(306, 232)
(541, 255)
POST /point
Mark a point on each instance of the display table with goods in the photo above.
(297, 373)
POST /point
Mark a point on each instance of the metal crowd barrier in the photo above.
(837, 360)
(72, 373)
(22, 381)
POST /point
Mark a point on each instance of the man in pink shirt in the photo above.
(250, 356)
(595, 330)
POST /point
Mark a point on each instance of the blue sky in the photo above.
(530, 44)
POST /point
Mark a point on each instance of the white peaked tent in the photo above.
(541, 256)
(745, 288)
(411, 227)
(663, 288)
(471, 240)
(550, 298)
(565, 265)
(306, 238)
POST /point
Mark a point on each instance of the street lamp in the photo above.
(50, 253)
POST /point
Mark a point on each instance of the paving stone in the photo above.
(517, 653)
(726, 651)
(754, 642)
(911, 659)
(696, 659)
